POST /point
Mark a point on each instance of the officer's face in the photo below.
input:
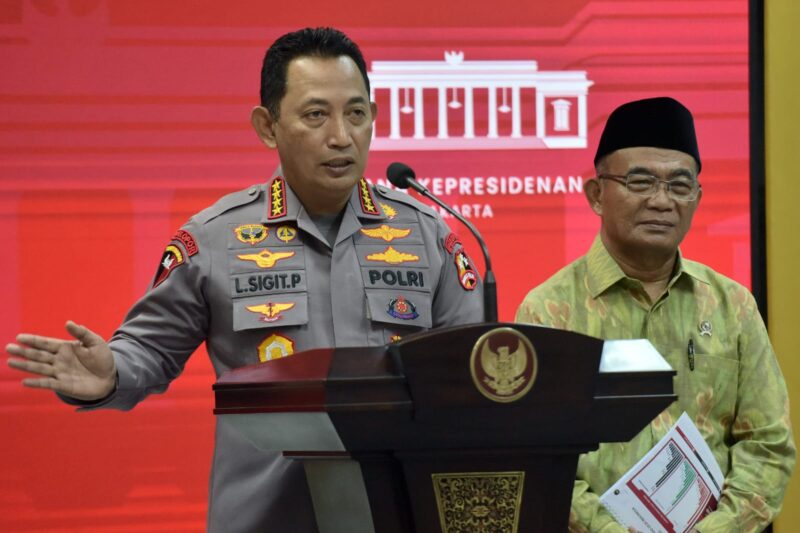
(323, 131)
(635, 226)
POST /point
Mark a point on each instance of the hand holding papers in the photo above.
(672, 487)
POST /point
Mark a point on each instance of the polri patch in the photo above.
(251, 234)
(277, 198)
(466, 274)
(275, 346)
(451, 241)
(401, 308)
(368, 205)
(286, 233)
(187, 240)
(172, 259)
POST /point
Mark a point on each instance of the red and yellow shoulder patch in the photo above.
(172, 259)
(187, 240)
(466, 274)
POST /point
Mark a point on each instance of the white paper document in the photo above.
(672, 487)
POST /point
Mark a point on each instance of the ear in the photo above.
(594, 195)
(373, 108)
(264, 124)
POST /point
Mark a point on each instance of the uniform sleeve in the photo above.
(165, 326)
(587, 514)
(763, 453)
(459, 294)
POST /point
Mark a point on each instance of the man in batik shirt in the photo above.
(634, 283)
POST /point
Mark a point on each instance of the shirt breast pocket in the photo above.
(711, 389)
(398, 313)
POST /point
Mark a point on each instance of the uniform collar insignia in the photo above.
(365, 205)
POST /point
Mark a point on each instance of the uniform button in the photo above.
(252, 190)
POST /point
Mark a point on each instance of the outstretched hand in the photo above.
(82, 368)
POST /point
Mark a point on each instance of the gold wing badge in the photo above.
(266, 258)
(386, 232)
(506, 372)
(270, 312)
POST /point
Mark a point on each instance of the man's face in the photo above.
(636, 226)
(323, 130)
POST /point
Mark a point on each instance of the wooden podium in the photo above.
(464, 429)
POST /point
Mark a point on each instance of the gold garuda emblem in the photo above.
(386, 232)
(503, 365)
(266, 258)
(393, 257)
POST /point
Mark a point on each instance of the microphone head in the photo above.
(399, 174)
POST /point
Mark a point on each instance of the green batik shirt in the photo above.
(736, 394)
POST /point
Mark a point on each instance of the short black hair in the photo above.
(316, 42)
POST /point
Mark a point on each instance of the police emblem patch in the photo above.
(388, 210)
(451, 241)
(386, 232)
(274, 347)
(277, 198)
(251, 234)
(172, 259)
(401, 308)
(270, 312)
(266, 258)
(286, 233)
(367, 201)
(188, 242)
(392, 256)
(466, 274)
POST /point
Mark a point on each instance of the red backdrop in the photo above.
(120, 119)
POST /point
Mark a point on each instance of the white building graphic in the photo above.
(556, 117)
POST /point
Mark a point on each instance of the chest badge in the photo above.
(270, 312)
(386, 232)
(274, 347)
(705, 328)
(401, 308)
(393, 257)
(388, 210)
(266, 258)
(503, 365)
(286, 233)
(251, 234)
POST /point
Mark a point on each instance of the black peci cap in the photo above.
(661, 122)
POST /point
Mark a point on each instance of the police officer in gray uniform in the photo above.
(316, 257)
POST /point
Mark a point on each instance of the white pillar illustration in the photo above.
(469, 114)
(582, 116)
(419, 116)
(561, 114)
(516, 120)
(442, 112)
(394, 111)
(540, 114)
(492, 134)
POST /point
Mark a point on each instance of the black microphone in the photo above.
(402, 176)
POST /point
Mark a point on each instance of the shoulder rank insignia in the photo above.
(251, 234)
(401, 308)
(367, 200)
(451, 241)
(277, 198)
(172, 259)
(466, 274)
(385, 232)
(188, 242)
(393, 257)
(274, 347)
(286, 233)
(266, 258)
(270, 312)
(388, 210)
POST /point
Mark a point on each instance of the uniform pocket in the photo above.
(409, 309)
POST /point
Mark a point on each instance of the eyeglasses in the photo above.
(680, 189)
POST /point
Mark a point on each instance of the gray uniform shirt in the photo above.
(254, 278)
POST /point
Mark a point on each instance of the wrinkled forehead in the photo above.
(656, 161)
